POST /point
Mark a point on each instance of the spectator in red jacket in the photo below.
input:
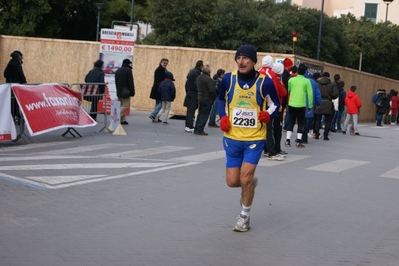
(353, 104)
(394, 107)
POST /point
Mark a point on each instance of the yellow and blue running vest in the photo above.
(242, 108)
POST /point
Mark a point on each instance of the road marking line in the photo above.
(337, 165)
(80, 166)
(45, 157)
(30, 146)
(54, 180)
(146, 152)
(201, 157)
(264, 161)
(394, 173)
(37, 184)
(84, 149)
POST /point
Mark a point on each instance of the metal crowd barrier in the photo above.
(91, 96)
(19, 121)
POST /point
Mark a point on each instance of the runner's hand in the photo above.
(225, 123)
(264, 116)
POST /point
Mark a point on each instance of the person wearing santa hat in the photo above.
(274, 130)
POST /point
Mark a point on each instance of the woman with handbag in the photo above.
(328, 91)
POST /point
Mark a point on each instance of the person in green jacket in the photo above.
(299, 88)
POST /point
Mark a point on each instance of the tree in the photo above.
(181, 22)
(216, 24)
(63, 19)
(20, 17)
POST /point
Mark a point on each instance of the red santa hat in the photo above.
(288, 63)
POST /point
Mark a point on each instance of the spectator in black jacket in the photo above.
(336, 122)
(124, 87)
(206, 97)
(191, 100)
(13, 73)
(159, 76)
(212, 117)
(381, 102)
(387, 116)
(96, 75)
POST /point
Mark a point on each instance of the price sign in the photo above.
(116, 49)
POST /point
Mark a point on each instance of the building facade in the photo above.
(375, 10)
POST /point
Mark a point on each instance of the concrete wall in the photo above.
(51, 60)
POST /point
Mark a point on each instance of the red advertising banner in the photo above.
(51, 106)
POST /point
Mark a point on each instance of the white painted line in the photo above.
(394, 173)
(202, 157)
(81, 166)
(146, 152)
(337, 165)
(92, 180)
(44, 157)
(56, 180)
(264, 161)
(29, 146)
(23, 181)
(380, 127)
(84, 148)
(125, 175)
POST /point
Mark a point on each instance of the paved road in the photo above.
(158, 197)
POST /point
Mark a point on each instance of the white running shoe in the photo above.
(189, 130)
(242, 224)
(277, 157)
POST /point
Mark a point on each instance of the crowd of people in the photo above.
(254, 106)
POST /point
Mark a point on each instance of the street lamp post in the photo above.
(387, 2)
(131, 15)
(320, 26)
(99, 6)
(294, 39)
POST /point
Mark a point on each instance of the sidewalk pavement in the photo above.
(158, 196)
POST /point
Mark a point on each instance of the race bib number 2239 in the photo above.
(243, 117)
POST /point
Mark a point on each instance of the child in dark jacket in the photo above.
(167, 92)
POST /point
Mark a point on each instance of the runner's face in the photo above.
(245, 64)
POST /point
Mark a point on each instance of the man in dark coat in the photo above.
(159, 76)
(191, 100)
(212, 117)
(124, 87)
(336, 123)
(96, 75)
(206, 97)
(387, 118)
(328, 91)
(13, 73)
